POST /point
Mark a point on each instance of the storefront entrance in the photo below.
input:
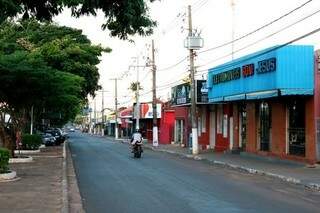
(179, 130)
(265, 125)
(296, 130)
(243, 125)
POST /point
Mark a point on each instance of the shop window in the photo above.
(296, 130)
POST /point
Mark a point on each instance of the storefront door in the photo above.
(265, 125)
(243, 125)
(296, 130)
(179, 131)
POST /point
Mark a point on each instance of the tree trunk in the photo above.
(7, 140)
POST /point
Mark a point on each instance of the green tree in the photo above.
(123, 17)
(45, 67)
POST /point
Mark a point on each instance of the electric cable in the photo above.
(262, 39)
(258, 29)
(241, 37)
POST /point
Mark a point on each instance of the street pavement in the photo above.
(111, 180)
(290, 171)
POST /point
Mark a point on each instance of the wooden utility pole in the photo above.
(194, 122)
(116, 131)
(154, 100)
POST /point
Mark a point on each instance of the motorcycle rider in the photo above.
(136, 139)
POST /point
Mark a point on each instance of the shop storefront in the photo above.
(265, 103)
(180, 100)
(126, 127)
(146, 119)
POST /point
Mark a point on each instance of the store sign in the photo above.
(264, 66)
(146, 110)
(227, 76)
(180, 95)
(202, 91)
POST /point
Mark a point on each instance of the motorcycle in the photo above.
(137, 150)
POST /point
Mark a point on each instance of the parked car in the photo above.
(63, 133)
(57, 134)
(48, 139)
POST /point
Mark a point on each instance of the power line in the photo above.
(201, 4)
(174, 65)
(262, 39)
(258, 29)
(271, 49)
(241, 37)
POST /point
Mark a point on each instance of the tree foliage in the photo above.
(123, 17)
(44, 66)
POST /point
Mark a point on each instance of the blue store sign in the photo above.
(272, 72)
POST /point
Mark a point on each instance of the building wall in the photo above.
(278, 128)
(182, 113)
(166, 129)
(203, 138)
(251, 145)
(222, 142)
(235, 126)
(310, 131)
(317, 103)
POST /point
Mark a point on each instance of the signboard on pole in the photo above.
(180, 94)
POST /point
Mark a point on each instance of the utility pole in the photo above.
(95, 115)
(193, 42)
(102, 113)
(154, 100)
(116, 131)
(31, 123)
(137, 97)
(137, 93)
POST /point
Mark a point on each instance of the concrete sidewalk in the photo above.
(48, 184)
(289, 171)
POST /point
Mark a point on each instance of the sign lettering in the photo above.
(227, 76)
(264, 66)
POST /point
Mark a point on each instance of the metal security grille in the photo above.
(265, 125)
(296, 131)
(297, 141)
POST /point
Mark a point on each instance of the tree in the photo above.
(37, 70)
(123, 17)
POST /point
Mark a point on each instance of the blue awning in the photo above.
(262, 95)
(296, 91)
(219, 99)
(235, 97)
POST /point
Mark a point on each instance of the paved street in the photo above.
(110, 180)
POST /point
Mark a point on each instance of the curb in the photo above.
(28, 159)
(8, 176)
(26, 151)
(65, 199)
(311, 186)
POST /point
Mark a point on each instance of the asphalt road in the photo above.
(111, 180)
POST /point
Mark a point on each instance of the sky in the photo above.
(216, 21)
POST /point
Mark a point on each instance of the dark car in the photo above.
(57, 134)
(48, 139)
